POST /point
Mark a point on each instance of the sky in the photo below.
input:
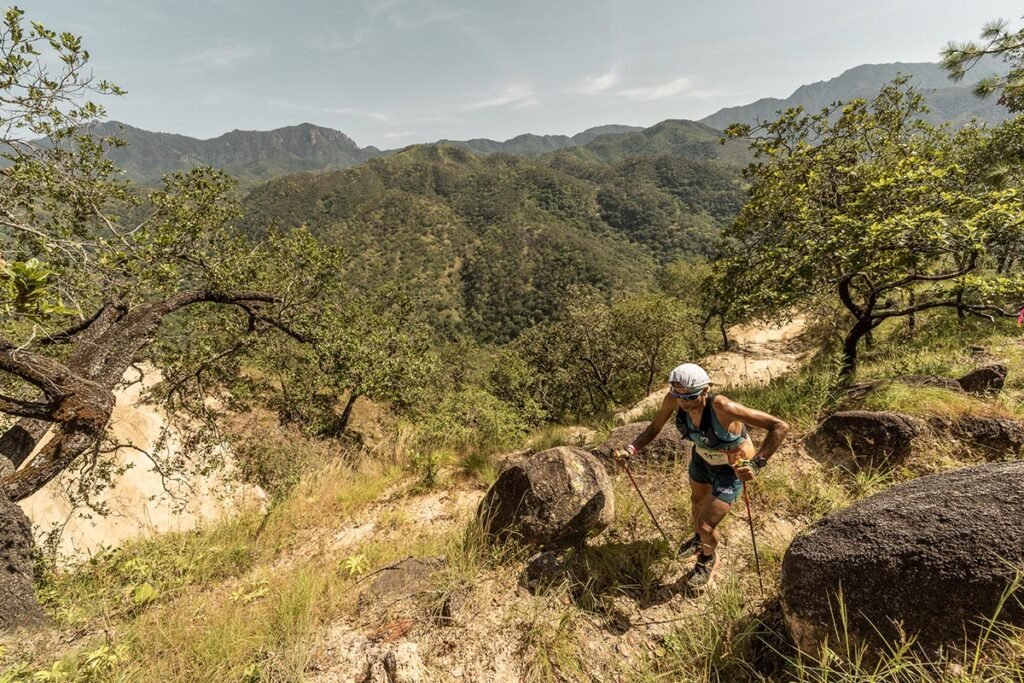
(395, 72)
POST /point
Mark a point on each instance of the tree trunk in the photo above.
(859, 331)
(18, 604)
(346, 414)
(912, 318)
(724, 332)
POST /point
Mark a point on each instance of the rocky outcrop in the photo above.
(994, 436)
(668, 444)
(553, 499)
(382, 656)
(865, 437)
(986, 380)
(933, 555)
(403, 579)
(18, 605)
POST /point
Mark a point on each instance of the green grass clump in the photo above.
(713, 643)
(549, 645)
(786, 489)
(122, 582)
(927, 401)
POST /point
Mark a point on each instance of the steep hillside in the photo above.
(321, 588)
(687, 139)
(498, 240)
(949, 102)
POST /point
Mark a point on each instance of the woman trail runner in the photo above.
(723, 456)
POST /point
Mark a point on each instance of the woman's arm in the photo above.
(668, 406)
(730, 411)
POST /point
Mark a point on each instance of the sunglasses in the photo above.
(688, 397)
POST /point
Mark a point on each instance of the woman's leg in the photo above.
(699, 493)
(712, 511)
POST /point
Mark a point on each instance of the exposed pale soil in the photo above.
(761, 353)
(141, 502)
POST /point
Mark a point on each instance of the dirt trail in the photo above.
(138, 501)
(762, 352)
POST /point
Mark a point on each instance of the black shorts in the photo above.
(725, 484)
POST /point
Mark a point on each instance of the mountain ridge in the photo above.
(948, 101)
(257, 156)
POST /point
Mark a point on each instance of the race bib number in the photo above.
(713, 458)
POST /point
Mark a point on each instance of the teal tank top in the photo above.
(710, 437)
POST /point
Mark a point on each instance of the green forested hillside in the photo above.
(529, 144)
(499, 240)
(689, 139)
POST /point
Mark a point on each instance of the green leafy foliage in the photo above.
(867, 206)
(498, 240)
(597, 354)
(996, 39)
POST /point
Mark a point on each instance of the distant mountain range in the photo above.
(949, 102)
(260, 155)
(247, 154)
(529, 144)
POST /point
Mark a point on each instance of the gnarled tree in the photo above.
(867, 206)
(92, 269)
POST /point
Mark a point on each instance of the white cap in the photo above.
(690, 376)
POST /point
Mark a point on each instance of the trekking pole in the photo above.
(753, 540)
(649, 511)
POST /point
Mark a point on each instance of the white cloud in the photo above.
(597, 83)
(658, 92)
(343, 111)
(359, 37)
(383, 18)
(397, 134)
(221, 57)
(517, 95)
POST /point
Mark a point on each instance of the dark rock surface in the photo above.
(409, 577)
(553, 499)
(866, 437)
(668, 444)
(934, 554)
(543, 570)
(988, 379)
(995, 436)
(18, 604)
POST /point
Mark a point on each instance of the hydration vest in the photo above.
(710, 439)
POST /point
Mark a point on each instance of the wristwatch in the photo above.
(759, 463)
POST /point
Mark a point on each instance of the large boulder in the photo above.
(988, 379)
(933, 555)
(18, 604)
(668, 444)
(865, 437)
(553, 499)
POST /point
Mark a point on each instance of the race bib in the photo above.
(713, 458)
